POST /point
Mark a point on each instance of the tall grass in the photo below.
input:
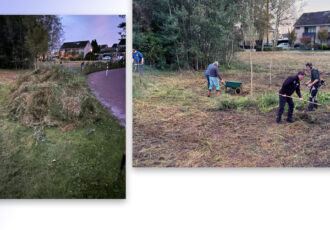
(80, 157)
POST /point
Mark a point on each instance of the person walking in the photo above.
(214, 75)
(138, 60)
(314, 83)
(290, 85)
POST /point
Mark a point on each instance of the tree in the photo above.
(250, 33)
(284, 12)
(95, 47)
(292, 36)
(305, 40)
(323, 35)
(43, 32)
(187, 34)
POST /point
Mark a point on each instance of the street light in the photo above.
(90, 57)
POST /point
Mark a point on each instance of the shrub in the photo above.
(235, 104)
(325, 46)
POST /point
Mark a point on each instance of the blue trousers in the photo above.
(208, 80)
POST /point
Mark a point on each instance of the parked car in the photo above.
(268, 44)
(118, 58)
(284, 45)
(106, 58)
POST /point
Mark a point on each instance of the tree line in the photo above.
(23, 39)
(190, 34)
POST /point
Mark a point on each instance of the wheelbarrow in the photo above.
(235, 85)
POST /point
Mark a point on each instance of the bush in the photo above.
(268, 49)
(235, 104)
(325, 46)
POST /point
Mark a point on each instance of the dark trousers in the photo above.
(208, 81)
(313, 98)
(280, 111)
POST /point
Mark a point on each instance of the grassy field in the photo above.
(176, 125)
(56, 139)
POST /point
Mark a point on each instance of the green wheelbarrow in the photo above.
(235, 85)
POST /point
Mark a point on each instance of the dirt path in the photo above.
(110, 91)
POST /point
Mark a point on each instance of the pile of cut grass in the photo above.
(53, 96)
(58, 152)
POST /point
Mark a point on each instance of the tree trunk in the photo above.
(251, 66)
(270, 71)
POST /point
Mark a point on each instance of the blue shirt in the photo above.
(137, 57)
(207, 72)
(214, 72)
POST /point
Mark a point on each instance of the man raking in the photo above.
(314, 83)
(290, 85)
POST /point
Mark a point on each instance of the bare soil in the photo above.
(176, 125)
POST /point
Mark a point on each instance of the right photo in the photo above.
(222, 83)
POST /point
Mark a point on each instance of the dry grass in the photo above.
(176, 125)
(9, 76)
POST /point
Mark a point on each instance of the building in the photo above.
(75, 48)
(104, 48)
(309, 24)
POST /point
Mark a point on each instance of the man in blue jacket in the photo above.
(138, 59)
(214, 75)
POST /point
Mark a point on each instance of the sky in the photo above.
(306, 6)
(103, 28)
(316, 5)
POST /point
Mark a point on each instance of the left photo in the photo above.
(62, 107)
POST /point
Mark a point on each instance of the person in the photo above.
(207, 74)
(314, 83)
(290, 85)
(214, 74)
(138, 59)
(82, 66)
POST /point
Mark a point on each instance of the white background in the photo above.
(175, 198)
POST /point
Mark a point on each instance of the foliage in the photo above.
(90, 56)
(292, 36)
(323, 35)
(305, 39)
(99, 66)
(180, 34)
(24, 38)
(95, 47)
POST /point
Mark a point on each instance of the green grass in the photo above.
(265, 102)
(47, 162)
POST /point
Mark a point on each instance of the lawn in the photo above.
(53, 150)
(176, 125)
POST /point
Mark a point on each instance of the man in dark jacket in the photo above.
(290, 85)
(314, 83)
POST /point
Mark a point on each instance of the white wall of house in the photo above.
(83, 51)
(299, 33)
(87, 48)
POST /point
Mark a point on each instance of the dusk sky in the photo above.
(103, 28)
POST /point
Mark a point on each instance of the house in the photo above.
(309, 24)
(75, 48)
(104, 48)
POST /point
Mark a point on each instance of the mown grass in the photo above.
(76, 158)
(177, 125)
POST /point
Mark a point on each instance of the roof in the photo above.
(314, 18)
(72, 45)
